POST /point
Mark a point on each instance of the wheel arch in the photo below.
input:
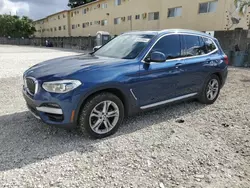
(121, 93)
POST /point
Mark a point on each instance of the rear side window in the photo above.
(209, 45)
(170, 46)
(195, 45)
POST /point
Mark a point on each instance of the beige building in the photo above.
(55, 25)
(118, 16)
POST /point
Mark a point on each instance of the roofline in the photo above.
(51, 15)
(90, 3)
(93, 2)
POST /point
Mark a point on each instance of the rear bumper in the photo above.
(224, 74)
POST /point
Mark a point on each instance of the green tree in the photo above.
(242, 6)
(76, 3)
(16, 27)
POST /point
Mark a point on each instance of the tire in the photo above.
(206, 98)
(98, 122)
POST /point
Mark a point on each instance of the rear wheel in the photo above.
(211, 90)
(102, 115)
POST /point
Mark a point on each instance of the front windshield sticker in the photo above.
(142, 40)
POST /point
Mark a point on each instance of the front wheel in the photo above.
(102, 115)
(211, 90)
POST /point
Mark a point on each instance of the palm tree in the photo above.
(242, 6)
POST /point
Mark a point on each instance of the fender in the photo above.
(131, 105)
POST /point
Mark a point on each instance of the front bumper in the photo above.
(60, 113)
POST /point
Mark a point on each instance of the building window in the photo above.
(137, 17)
(85, 24)
(174, 12)
(153, 16)
(90, 23)
(104, 22)
(73, 26)
(59, 28)
(129, 18)
(51, 29)
(104, 5)
(78, 25)
(64, 16)
(64, 27)
(72, 14)
(58, 17)
(118, 2)
(117, 21)
(55, 29)
(84, 11)
(208, 7)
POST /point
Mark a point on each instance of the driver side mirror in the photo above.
(157, 57)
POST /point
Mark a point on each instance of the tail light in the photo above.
(226, 60)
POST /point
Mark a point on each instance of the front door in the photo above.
(162, 81)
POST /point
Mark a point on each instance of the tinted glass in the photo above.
(209, 45)
(170, 46)
(194, 46)
(171, 12)
(127, 46)
(212, 6)
(203, 8)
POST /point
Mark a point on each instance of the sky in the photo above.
(35, 9)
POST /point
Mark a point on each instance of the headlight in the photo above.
(62, 86)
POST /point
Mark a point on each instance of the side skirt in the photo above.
(168, 101)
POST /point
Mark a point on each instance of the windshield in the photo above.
(127, 46)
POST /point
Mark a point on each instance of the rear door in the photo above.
(200, 53)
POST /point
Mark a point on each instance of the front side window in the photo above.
(129, 45)
(153, 16)
(175, 12)
(208, 7)
(170, 46)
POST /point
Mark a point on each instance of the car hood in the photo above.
(65, 66)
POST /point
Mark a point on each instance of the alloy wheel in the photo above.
(212, 89)
(104, 117)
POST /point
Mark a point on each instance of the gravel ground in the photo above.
(211, 148)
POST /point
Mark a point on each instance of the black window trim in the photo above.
(182, 58)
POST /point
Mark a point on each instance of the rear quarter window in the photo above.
(209, 44)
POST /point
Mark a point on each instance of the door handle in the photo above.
(177, 65)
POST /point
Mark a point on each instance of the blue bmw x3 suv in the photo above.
(135, 71)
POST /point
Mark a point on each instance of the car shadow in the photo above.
(26, 140)
(246, 81)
